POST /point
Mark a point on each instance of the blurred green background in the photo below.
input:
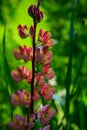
(67, 20)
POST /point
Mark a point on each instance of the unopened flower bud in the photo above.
(35, 13)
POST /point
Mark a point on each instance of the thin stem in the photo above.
(33, 70)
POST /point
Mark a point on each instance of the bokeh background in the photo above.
(67, 20)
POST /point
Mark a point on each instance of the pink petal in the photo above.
(17, 55)
(15, 76)
(50, 43)
(14, 100)
(53, 90)
(50, 74)
(44, 121)
(46, 127)
(48, 96)
(51, 113)
(36, 97)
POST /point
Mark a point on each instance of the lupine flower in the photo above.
(45, 128)
(23, 31)
(23, 53)
(40, 79)
(35, 13)
(18, 123)
(15, 100)
(38, 56)
(36, 95)
(15, 76)
(42, 115)
(48, 72)
(25, 98)
(21, 73)
(46, 114)
(22, 97)
(45, 38)
(30, 124)
(47, 58)
(47, 92)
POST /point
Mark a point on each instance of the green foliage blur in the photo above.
(67, 20)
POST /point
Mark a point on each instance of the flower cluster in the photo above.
(40, 55)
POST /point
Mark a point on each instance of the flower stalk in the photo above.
(33, 70)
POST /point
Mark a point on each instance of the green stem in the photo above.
(69, 71)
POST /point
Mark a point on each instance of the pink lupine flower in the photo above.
(23, 53)
(38, 57)
(23, 31)
(42, 115)
(47, 92)
(15, 100)
(15, 76)
(43, 119)
(18, 123)
(29, 77)
(39, 79)
(46, 114)
(48, 72)
(21, 73)
(47, 58)
(51, 113)
(25, 98)
(45, 128)
(17, 55)
(44, 36)
(30, 124)
(36, 95)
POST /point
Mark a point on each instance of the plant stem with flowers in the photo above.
(41, 56)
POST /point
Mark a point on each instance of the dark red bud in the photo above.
(35, 13)
(31, 31)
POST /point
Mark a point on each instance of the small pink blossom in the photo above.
(23, 53)
(15, 100)
(18, 123)
(45, 114)
(30, 124)
(47, 58)
(47, 92)
(23, 31)
(25, 98)
(38, 56)
(21, 73)
(39, 79)
(48, 72)
(36, 95)
(44, 36)
(15, 76)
